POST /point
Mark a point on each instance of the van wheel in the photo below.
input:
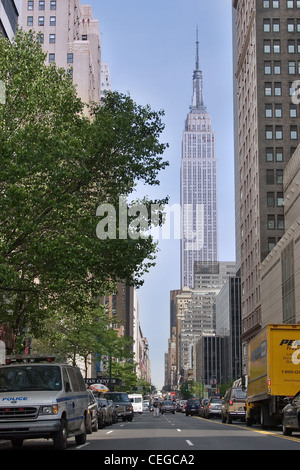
(61, 437)
(81, 438)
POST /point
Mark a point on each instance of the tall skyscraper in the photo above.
(199, 240)
(266, 70)
(9, 14)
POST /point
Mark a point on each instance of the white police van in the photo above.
(42, 399)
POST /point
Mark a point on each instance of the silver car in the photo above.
(213, 407)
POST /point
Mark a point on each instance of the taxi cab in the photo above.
(42, 399)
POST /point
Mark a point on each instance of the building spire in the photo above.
(198, 102)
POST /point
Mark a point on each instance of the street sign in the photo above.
(102, 380)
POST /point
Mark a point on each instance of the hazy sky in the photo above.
(150, 48)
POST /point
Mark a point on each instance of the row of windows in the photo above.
(275, 198)
(270, 133)
(276, 3)
(69, 58)
(276, 111)
(276, 89)
(41, 21)
(275, 222)
(292, 46)
(274, 25)
(276, 68)
(41, 4)
(276, 154)
(274, 176)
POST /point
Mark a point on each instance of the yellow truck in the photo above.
(273, 373)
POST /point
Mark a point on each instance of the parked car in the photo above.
(233, 405)
(101, 414)
(168, 406)
(92, 418)
(192, 406)
(202, 406)
(291, 415)
(107, 408)
(213, 407)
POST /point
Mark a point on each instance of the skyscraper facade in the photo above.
(71, 38)
(199, 240)
(266, 71)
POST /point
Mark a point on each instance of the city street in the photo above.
(176, 433)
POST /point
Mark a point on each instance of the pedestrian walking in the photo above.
(155, 409)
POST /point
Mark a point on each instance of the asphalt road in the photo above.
(177, 433)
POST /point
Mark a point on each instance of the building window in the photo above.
(268, 68)
(278, 133)
(291, 47)
(278, 110)
(30, 5)
(276, 26)
(291, 26)
(293, 110)
(51, 58)
(70, 58)
(270, 199)
(271, 243)
(41, 4)
(277, 89)
(292, 67)
(279, 199)
(52, 20)
(41, 38)
(268, 89)
(268, 111)
(271, 222)
(53, 5)
(294, 132)
(276, 47)
(279, 155)
(269, 132)
(267, 26)
(29, 20)
(41, 20)
(51, 38)
(267, 47)
(270, 176)
(290, 4)
(279, 176)
(280, 222)
(269, 155)
(84, 37)
(277, 68)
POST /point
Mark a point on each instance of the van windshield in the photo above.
(24, 378)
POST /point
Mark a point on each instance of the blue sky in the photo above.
(150, 48)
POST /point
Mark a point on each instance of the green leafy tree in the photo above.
(56, 167)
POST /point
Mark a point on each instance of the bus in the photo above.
(137, 402)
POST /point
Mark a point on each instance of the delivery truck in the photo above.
(273, 373)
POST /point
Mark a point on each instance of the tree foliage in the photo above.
(56, 167)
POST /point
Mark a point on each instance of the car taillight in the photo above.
(231, 402)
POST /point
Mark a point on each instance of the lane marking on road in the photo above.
(109, 432)
(189, 442)
(83, 445)
(179, 430)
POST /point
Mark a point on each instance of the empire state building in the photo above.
(199, 240)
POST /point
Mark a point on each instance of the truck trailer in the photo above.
(273, 373)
